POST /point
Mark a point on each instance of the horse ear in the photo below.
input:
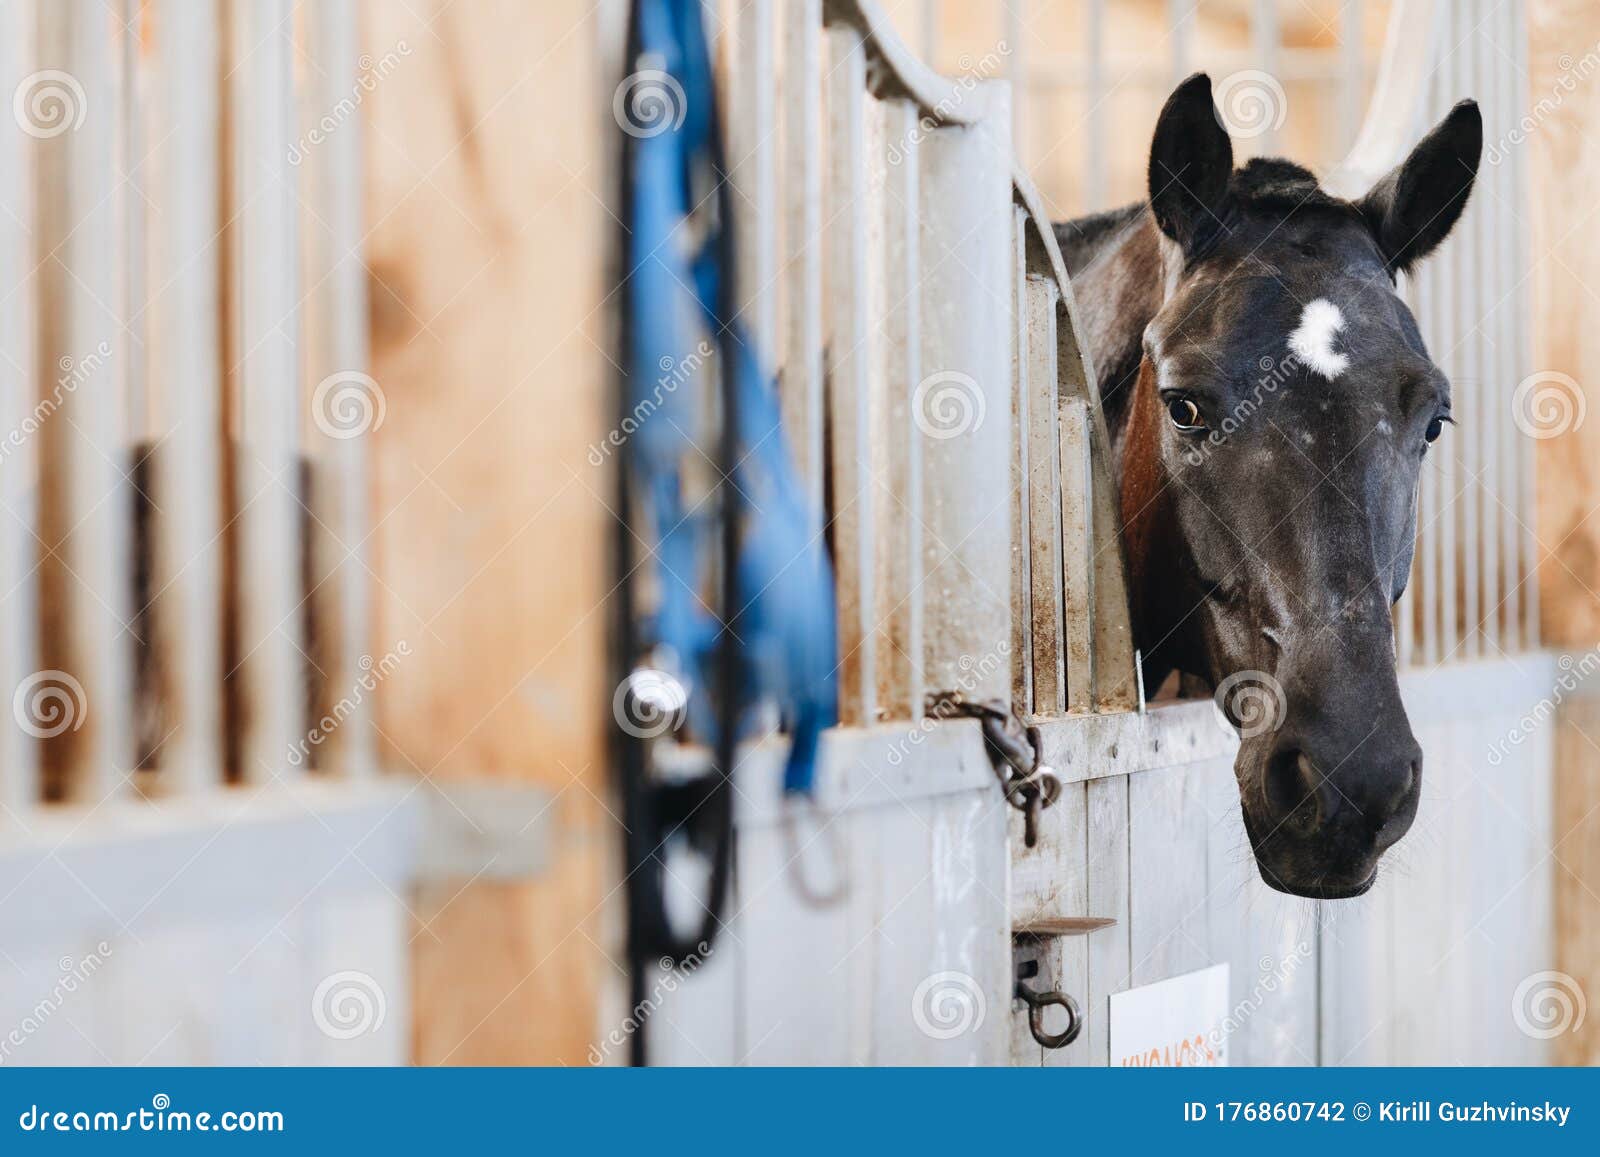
(1191, 159)
(1414, 208)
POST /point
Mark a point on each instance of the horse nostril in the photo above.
(1403, 793)
(1410, 783)
(1293, 788)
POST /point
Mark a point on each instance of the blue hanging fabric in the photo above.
(678, 261)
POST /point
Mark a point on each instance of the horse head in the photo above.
(1270, 456)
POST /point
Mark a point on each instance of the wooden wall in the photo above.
(485, 176)
(1565, 157)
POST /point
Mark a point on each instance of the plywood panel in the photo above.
(797, 934)
(876, 935)
(1268, 939)
(1052, 878)
(1428, 967)
(1577, 866)
(940, 991)
(1564, 159)
(1355, 962)
(1167, 877)
(486, 245)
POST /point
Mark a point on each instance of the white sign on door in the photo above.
(1177, 1022)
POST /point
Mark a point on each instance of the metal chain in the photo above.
(1029, 786)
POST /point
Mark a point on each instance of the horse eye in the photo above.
(1435, 428)
(1186, 415)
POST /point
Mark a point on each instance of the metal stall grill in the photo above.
(188, 758)
(901, 265)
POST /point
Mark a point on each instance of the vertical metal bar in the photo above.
(1077, 500)
(1412, 602)
(848, 350)
(1044, 495)
(1022, 658)
(930, 33)
(134, 226)
(1014, 16)
(1524, 446)
(900, 692)
(753, 118)
(83, 356)
(184, 323)
(271, 657)
(19, 474)
(1266, 43)
(876, 504)
(963, 399)
(1352, 72)
(1500, 276)
(1180, 18)
(801, 383)
(1426, 301)
(339, 352)
(1094, 139)
(1454, 499)
(1483, 587)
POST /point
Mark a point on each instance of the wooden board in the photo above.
(495, 379)
(1564, 160)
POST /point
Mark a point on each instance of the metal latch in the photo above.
(1030, 950)
(1028, 953)
(1029, 786)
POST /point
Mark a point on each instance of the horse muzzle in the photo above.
(1322, 814)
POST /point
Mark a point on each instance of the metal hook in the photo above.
(1037, 1003)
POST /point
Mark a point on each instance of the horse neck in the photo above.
(1115, 261)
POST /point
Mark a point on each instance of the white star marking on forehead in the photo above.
(1312, 340)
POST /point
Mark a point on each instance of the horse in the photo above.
(1270, 401)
